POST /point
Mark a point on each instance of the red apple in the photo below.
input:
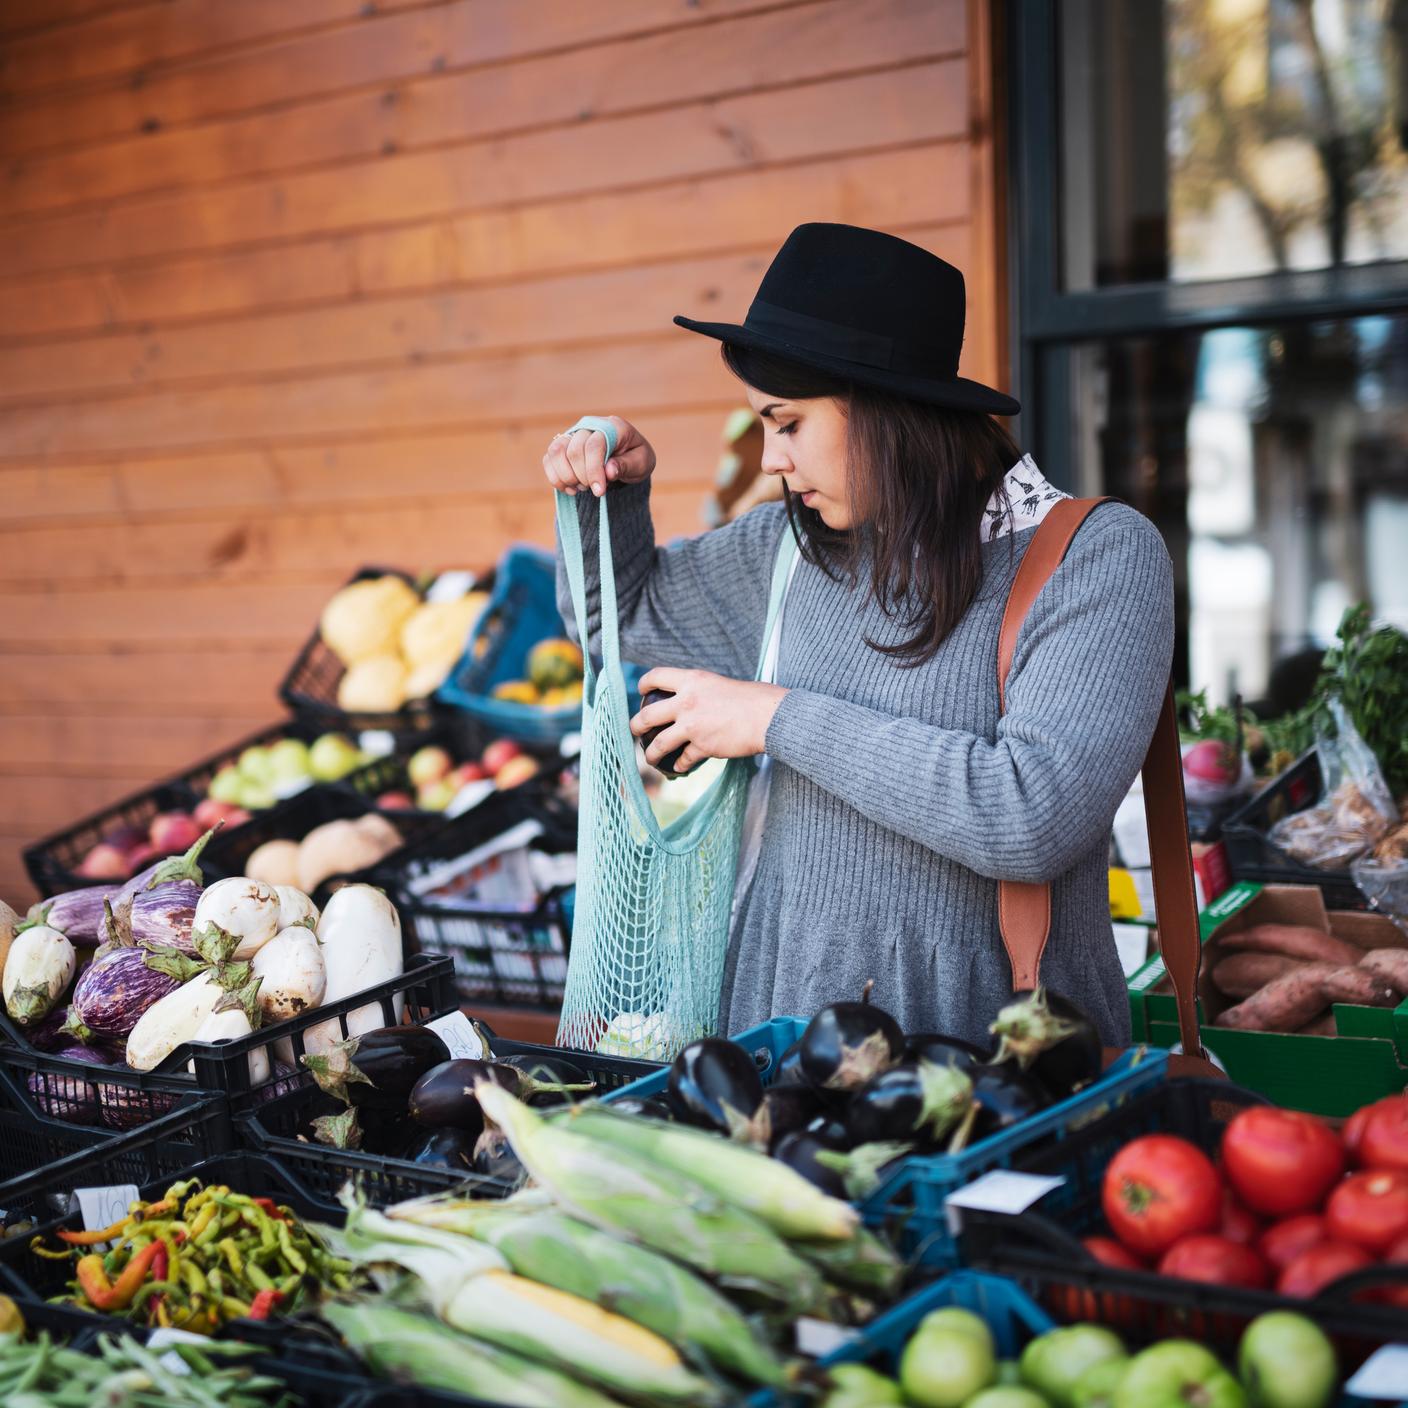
(175, 831)
(518, 769)
(1211, 761)
(104, 862)
(428, 765)
(144, 855)
(208, 811)
(396, 802)
(469, 772)
(126, 838)
(498, 753)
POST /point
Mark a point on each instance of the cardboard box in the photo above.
(1327, 1075)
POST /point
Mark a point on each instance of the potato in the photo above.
(275, 863)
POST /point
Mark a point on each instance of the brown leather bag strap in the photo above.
(1024, 907)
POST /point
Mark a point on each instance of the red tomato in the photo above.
(1109, 1252)
(1370, 1209)
(1204, 1257)
(1238, 1225)
(1160, 1188)
(1283, 1242)
(1314, 1269)
(1074, 1305)
(1352, 1131)
(1280, 1161)
(1396, 1255)
(1383, 1142)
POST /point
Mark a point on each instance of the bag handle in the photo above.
(1024, 907)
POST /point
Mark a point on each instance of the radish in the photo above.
(176, 1019)
(247, 910)
(295, 908)
(229, 1025)
(361, 937)
(293, 977)
(38, 970)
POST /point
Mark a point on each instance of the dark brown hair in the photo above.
(918, 478)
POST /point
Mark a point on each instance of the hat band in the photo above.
(850, 344)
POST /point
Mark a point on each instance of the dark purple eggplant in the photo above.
(648, 1107)
(494, 1158)
(714, 1084)
(802, 1153)
(161, 918)
(789, 1067)
(914, 1102)
(667, 765)
(126, 1108)
(941, 1050)
(1050, 1039)
(444, 1096)
(77, 914)
(52, 1034)
(1002, 1096)
(113, 991)
(440, 1148)
(831, 1128)
(380, 1068)
(849, 1043)
(784, 1110)
(65, 1096)
(556, 1080)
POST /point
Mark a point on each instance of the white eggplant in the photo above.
(247, 909)
(38, 969)
(295, 908)
(230, 1025)
(361, 937)
(8, 920)
(176, 1018)
(293, 977)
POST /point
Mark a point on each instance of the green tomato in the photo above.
(254, 765)
(288, 760)
(226, 784)
(859, 1386)
(1009, 1371)
(1096, 1387)
(944, 1367)
(953, 1317)
(1286, 1361)
(1008, 1396)
(1053, 1363)
(1174, 1374)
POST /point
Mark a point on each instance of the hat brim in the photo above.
(959, 394)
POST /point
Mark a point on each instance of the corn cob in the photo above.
(646, 1204)
(778, 1195)
(863, 1264)
(400, 1344)
(642, 1285)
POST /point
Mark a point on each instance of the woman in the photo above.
(899, 791)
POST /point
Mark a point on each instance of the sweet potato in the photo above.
(1284, 1004)
(1360, 986)
(1293, 940)
(1242, 974)
(1391, 964)
(1321, 1026)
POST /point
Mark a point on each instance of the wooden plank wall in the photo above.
(287, 286)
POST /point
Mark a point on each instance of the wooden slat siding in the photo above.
(774, 48)
(22, 16)
(219, 400)
(904, 187)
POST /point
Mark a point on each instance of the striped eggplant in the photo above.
(67, 1097)
(124, 1107)
(161, 918)
(113, 991)
(163, 872)
(77, 914)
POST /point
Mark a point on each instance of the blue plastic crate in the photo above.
(909, 1204)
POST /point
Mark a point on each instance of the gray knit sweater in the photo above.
(898, 795)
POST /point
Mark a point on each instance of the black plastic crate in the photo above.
(1040, 1249)
(1251, 855)
(292, 820)
(310, 687)
(608, 1072)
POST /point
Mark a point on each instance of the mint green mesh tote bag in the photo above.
(653, 904)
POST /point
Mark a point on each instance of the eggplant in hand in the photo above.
(714, 1084)
(380, 1068)
(849, 1043)
(1049, 1038)
(444, 1096)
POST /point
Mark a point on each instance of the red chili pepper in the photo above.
(263, 1303)
(269, 1206)
(159, 1263)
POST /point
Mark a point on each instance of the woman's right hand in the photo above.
(578, 461)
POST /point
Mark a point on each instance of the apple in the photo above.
(515, 771)
(256, 796)
(225, 785)
(858, 1386)
(1053, 1363)
(428, 765)
(1096, 1387)
(144, 855)
(208, 811)
(175, 831)
(437, 796)
(469, 772)
(498, 753)
(104, 862)
(945, 1366)
(1007, 1396)
(395, 802)
(1286, 1361)
(1210, 761)
(288, 760)
(1174, 1374)
(254, 765)
(332, 756)
(127, 838)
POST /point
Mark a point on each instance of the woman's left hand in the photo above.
(711, 716)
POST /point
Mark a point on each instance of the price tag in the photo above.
(379, 742)
(1000, 1190)
(459, 1034)
(101, 1207)
(1384, 1374)
(164, 1335)
(817, 1338)
(571, 745)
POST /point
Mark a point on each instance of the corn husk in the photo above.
(656, 1208)
(862, 1264)
(557, 1250)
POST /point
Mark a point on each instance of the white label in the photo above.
(1384, 1374)
(1000, 1190)
(458, 1033)
(816, 1338)
(571, 745)
(470, 795)
(171, 1361)
(101, 1207)
(379, 742)
(451, 586)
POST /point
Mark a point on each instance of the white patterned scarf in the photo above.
(1029, 499)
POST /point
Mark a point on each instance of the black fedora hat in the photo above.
(867, 306)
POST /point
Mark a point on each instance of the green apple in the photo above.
(332, 756)
(1286, 1361)
(288, 760)
(1008, 1396)
(1096, 1387)
(944, 1366)
(428, 765)
(1175, 1374)
(858, 1386)
(256, 796)
(1052, 1363)
(225, 785)
(254, 765)
(437, 796)
(954, 1317)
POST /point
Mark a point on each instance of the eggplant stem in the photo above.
(867, 990)
(947, 1095)
(183, 867)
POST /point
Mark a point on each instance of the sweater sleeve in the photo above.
(699, 603)
(1088, 679)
